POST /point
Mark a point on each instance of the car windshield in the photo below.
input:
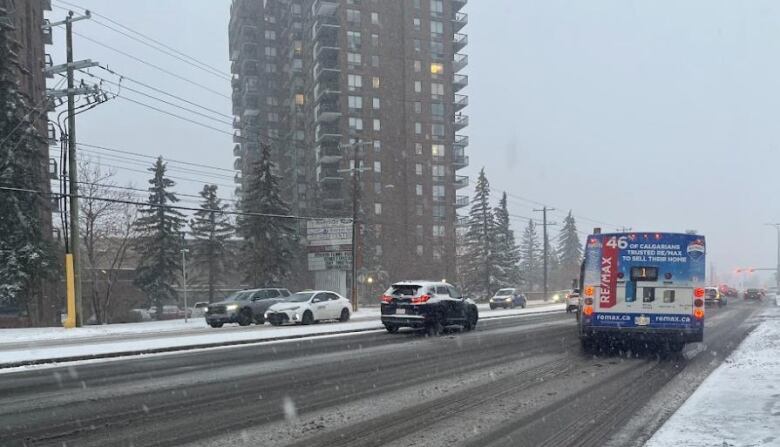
(505, 292)
(404, 290)
(239, 296)
(299, 297)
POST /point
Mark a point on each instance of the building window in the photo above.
(437, 150)
(273, 117)
(437, 8)
(418, 149)
(419, 250)
(298, 47)
(271, 101)
(418, 168)
(419, 190)
(437, 90)
(355, 123)
(353, 16)
(418, 86)
(354, 59)
(438, 193)
(437, 50)
(378, 167)
(417, 66)
(299, 99)
(377, 187)
(437, 68)
(418, 209)
(270, 34)
(418, 231)
(418, 128)
(416, 4)
(378, 250)
(299, 135)
(375, 81)
(378, 209)
(270, 51)
(437, 130)
(375, 39)
(438, 171)
(270, 68)
(377, 124)
(297, 64)
(438, 231)
(354, 81)
(437, 28)
(417, 45)
(439, 211)
(417, 24)
(417, 107)
(437, 109)
(375, 61)
(375, 18)
(355, 102)
(377, 145)
(436, 254)
(353, 39)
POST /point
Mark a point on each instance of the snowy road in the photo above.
(514, 381)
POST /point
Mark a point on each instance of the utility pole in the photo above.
(777, 272)
(355, 170)
(545, 244)
(184, 252)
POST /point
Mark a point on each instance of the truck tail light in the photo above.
(421, 299)
(698, 302)
(698, 292)
(387, 299)
(587, 311)
(698, 313)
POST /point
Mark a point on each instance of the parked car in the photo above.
(309, 307)
(244, 307)
(143, 314)
(752, 294)
(508, 298)
(169, 312)
(199, 309)
(426, 304)
(712, 295)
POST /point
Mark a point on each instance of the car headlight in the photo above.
(297, 317)
(556, 297)
(205, 309)
(231, 307)
(508, 300)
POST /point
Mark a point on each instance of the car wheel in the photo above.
(308, 318)
(391, 328)
(492, 307)
(436, 327)
(471, 320)
(275, 322)
(245, 317)
(344, 315)
(216, 325)
(523, 305)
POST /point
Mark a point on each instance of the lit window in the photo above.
(378, 167)
(375, 81)
(355, 102)
(437, 150)
(378, 209)
(375, 18)
(299, 99)
(375, 102)
(437, 68)
(377, 124)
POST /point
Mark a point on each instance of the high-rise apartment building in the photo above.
(314, 77)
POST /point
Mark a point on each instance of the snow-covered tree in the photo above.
(270, 245)
(212, 229)
(507, 251)
(531, 257)
(159, 241)
(480, 260)
(569, 251)
(26, 255)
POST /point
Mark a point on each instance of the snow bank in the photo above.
(739, 403)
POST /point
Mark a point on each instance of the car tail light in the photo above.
(587, 311)
(698, 292)
(387, 299)
(698, 313)
(698, 302)
(421, 299)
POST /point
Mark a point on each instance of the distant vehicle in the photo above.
(643, 287)
(752, 294)
(712, 295)
(572, 300)
(309, 307)
(244, 307)
(508, 298)
(199, 309)
(143, 314)
(426, 304)
(169, 312)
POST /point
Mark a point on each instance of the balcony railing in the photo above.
(238, 163)
(460, 121)
(460, 143)
(461, 181)
(47, 36)
(329, 154)
(237, 136)
(460, 102)
(326, 28)
(459, 82)
(457, 5)
(460, 62)
(325, 7)
(459, 42)
(460, 161)
(461, 19)
(327, 111)
(237, 152)
(461, 201)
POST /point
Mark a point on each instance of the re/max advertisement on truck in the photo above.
(643, 279)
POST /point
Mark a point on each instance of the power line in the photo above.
(130, 188)
(121, 159)
(216, 70)
(184, 179)
(121, 151)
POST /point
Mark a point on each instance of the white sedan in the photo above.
(309, 307)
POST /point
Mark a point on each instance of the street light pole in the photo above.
(777, 271)
(184, 252)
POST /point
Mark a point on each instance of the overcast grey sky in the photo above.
(654, 114)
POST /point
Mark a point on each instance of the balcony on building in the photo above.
(459, 82)
(461, 181)
(325, 7)
(237, 136)
(459, 21)
(460, 121)
(327, 111)
(235, 80)
(460, 143)
(460, 102)
(326, 51)
(237, 179)
(46, 5)
(462, 221)
(47, 33)
(326, 30)
(237, 151)
(238, 163)
(328, 153)
(459, 62)
(461, 201)
(237, 122)
(328, 134)
(329, 174)
(48, 63)
(459, 42)
(459, 159)
(457, 5)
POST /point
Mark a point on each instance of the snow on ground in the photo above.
(53, 343)
(739, 403)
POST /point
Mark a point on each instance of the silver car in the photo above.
(244, 307)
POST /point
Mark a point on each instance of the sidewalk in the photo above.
(739, 403)
(46, 345)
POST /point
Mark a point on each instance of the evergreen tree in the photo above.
(212, 229)
(481, 260)
(26, 255)
(159, 241)
(569, 251)
(531, 261)
(270, 242)
(507, 251)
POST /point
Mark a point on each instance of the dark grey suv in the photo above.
(244, 307)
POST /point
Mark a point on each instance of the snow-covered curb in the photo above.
(46, 350)
(739, 403)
